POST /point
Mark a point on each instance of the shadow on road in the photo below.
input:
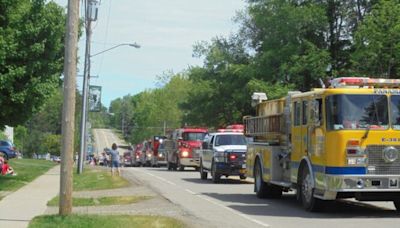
(222, 181)
(164, 169)
(288, 206)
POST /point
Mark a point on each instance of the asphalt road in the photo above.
(232, 203)
(105, 138)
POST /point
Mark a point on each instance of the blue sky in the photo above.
(166, 31)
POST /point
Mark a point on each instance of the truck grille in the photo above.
(376, 164)
(240, 157)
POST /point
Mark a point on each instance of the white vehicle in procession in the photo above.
(223, 154)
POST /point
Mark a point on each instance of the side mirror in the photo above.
(204, 145)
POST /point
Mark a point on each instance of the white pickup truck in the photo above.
(223, 154)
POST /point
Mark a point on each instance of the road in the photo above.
(105, 138)
(232, 203)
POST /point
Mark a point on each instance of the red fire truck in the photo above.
(179, 151)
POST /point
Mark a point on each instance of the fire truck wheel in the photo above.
(262, 188)
(214, 175)
(310, 203)
(203, 174)
(397, 205)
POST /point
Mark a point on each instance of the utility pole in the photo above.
(68, 115)
(90, 15)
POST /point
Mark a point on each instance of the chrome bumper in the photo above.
(362, 183)
(190, 162)
(328, 186)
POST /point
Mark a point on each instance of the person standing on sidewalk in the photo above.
(114, 160)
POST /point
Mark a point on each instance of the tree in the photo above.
(31, 56)
(21, 138)
(378, 41)
(51, 144)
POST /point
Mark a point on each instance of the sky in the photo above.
(166, 30)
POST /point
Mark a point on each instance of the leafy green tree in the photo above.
(378, 41)
(51, 144)
(21, 137)
(280, 30)
(31, 56)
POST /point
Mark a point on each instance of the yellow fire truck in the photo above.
(329, 143)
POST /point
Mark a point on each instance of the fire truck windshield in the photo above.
(346, 112)
(193, 136)
(395, 108)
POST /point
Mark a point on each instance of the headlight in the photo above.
(219, 156)
(185, 154)
(149, 155)
(356, 160)
(137, 156)
(160, 155)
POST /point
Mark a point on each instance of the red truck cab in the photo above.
(185, 141)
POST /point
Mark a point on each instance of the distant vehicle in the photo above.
(127, 159)
(8, 149)
(56, 159)
(162, 154)
(180, 150)
(223, 154)
(137, 158)
(157, 158)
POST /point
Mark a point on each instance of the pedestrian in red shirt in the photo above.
(6, 169)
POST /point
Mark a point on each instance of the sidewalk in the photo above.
(18, 208)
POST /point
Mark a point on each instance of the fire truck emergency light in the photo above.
(361, 82)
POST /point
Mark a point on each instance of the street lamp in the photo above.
(86, 77)
(135, 45)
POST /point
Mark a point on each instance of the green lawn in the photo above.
(95, 221)
(102, 201)
(96, 179)
(27, 170)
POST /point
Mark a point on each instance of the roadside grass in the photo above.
(95, 221)
(27, 170)
(97, 179)
(102, 201)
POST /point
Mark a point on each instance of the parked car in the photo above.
(8, 149)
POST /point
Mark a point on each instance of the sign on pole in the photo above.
(94, 98)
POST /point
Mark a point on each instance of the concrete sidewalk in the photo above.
(18, 208)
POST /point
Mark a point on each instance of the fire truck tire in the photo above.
(242, 177)
(397, 205)
(203, 174)
(310, 203)
(215, 177)
(262, 188)
(178, 165)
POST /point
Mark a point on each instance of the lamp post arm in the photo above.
(135, 45)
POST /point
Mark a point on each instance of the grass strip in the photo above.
(95, 221)
(97, 179)
(27, 170)
(102, 201)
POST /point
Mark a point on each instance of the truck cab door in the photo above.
(316, 132)
(299, 135)
(208, 153)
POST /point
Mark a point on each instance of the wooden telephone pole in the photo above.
(68, 114)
